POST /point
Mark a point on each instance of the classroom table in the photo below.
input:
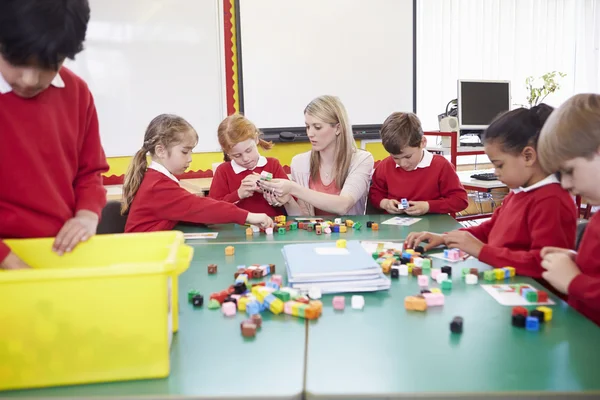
(380, 352)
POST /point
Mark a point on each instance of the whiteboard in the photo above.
(295, 50)
(147, 57)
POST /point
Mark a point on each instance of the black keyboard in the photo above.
(488, 176)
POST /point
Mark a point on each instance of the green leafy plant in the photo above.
(540, 88)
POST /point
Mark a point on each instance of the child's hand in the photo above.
(262, 220)
(13, 262)
(390, 206)
(553, 250)
(432, 239)
(276, 201)
(560, 270)
(78, 229)
(252, 179)
(464, 241)
(417, 208)
(246, 189)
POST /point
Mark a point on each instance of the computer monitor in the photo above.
(479, 102)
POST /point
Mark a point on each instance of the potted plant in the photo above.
(540, 88)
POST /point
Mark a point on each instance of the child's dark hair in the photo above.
(42, 32)
(519, 128)
(401, 130)
(167, 130)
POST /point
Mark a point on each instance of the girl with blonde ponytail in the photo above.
(152, 197)
(235, 181)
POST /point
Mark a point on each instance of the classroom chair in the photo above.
(111, 220)
(581, 225)
(370, 209)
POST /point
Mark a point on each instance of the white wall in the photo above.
(296, 50)
(144, 58)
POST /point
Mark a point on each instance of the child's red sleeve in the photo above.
(586, 288)
(4, 250)
(379, 188)
(174, 203)
(550, 224)
(453, 194)
(278, 171)
(219, 187)
(90, 193)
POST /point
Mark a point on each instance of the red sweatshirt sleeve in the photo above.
(174, 203)
(278, 171)
(551, 224)
(453, 194)
(89, 190)
(4, 250)
(586, 288)
(379, 189)
(219, 188)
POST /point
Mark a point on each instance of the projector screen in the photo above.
(293, 51)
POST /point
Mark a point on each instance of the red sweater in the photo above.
(160, 203)
(584, 290)
(226, 183)
(437, 184)
(524, 224)
(52, 160)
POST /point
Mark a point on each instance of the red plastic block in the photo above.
(542, 296)
(520, 311)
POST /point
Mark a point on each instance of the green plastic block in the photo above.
(283, 296)
(294, 226)
(531, 296)
(191, 294)
(357, 225)
(214, 304)
(447, 285)
(375, 255)
(426, 263)
(489, 276)
(281, 231)
(466, 271)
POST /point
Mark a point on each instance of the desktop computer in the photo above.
(479, 102)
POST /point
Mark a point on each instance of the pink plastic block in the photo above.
(277, 279)
(434, 299)
(228, 309)
(435, 272)
(287, 307)
(327, 230)
(339, 302)
(453, 254)
(269, 231)
(236, 296)
(423, 280)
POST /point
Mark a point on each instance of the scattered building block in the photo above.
(314, 293)
(542, 297)
(269, 231)
(471, 279)
(520, 311)
(198, 300)
(395, 271)
(532, 324)
(423, 280)
(447, 285)
(441, 277)
(248, 329)
(519, 320)
(375, 226)
(538, 314)
(358, 302)
(456, 326)
(403, 270)
(547, 313)
(415, 303)
(447, 270)
(212, 268)
(339, 302)
(229, 309)
(229, 250)
(341, 243)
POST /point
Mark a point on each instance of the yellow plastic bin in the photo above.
(104, 312)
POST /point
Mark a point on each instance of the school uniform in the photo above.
(160, 203)
(434, 180)
(584, 289)
(229, 176)
(529, 219)
(52, 158)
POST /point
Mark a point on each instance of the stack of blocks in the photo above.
(522, 318)
(498, 274)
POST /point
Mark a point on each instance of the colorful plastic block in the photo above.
(426, 263)
(337, 221)
(357, 226)
(489, 275)
(272, 285)
(349, 223)
(341, 243)
(198, 300)
(447, 270)
(423, 280)
(511, 270)
(212, 268)
(339, 302)
(499, 274)
(418, 261)
(191, 295)
(395, 271)
(242, 302)
(436, 290)
(520, 311)
(229, 250)
(343, 229)
(441, 277)
(435, 272)
(375, 226)
(416, 271)
(446, 285)
(532, 324)
(403, 270)
(542, 297)
(253, 307)
(314, 293)
(531, 296)
(547, 313)
(213, 304)
(248, 329)
(276, 306)
(229, 309)
(471, 279)
(281, 231)
(358, 302)
(474, 271)
(433, 299)
(465, 272)
(415, 303)
(539, 315)
(283, 296)
(269, 231)
(456, 326)
(519, 320)
(266, 176)
(294, 226)
(318, 229)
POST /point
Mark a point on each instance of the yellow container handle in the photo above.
(184, 257)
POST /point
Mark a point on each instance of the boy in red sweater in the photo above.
(428, 181)
(570, 143)
(235, 180)
(152, 196)
(50, 150)
(538, 212)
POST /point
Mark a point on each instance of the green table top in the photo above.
(209, 357)
(385, 351)
(232, 233)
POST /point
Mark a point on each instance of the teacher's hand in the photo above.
(277, 187)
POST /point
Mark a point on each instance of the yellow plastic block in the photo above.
(349, 223)
(276, 306)
(547, 313)
(409, 251)
(410, 267)
(341, 243)
(499, 273)
(229, 250)
(512, 270)
(413, 303)
(343, 229)
(97, 314)
(249, 232)
(435, 290)
(241, 303)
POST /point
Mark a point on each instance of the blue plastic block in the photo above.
(335, 228)
(254, 308)
(532, 324)
(506, 273)
(272, 285)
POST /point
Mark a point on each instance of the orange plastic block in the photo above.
(375, 226)
(230, 250)
(414, 303)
